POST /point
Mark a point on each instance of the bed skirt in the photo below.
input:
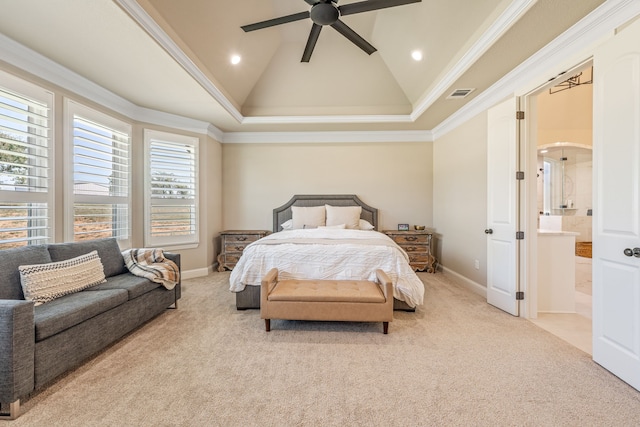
(250, 298)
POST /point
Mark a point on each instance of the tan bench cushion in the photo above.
(327, 291)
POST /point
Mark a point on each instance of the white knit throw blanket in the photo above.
(152, 264)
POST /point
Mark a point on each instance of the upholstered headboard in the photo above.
(283, 213)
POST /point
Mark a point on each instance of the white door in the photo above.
(616, 215)
(502, 156)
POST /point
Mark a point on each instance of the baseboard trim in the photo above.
(474, 287)
(198, 272)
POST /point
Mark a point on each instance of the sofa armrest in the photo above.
(266, 286)
(17, 347)
(172, 256)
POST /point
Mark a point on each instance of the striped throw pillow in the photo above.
(45, 282)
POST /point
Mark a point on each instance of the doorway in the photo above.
(562, 128)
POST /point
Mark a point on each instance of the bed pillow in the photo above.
(339, 226)
(287, 225)
(45, 282)
(307, 217)
(365, 225)
(348, 215)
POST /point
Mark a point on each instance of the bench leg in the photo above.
(267, 324)
(385, 327)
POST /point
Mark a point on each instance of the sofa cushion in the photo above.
(10, 260)
(45, 282)
(108, 251)
(134, 285)
(70, 310)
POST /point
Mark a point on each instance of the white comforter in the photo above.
(326, 254)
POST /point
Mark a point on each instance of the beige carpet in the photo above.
(456, 361)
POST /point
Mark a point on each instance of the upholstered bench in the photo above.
(327, 300)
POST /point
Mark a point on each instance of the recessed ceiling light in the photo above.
(235, 59)
(416, 55)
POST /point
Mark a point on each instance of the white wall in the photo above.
(396, 178)
(460, 198)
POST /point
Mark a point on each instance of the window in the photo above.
(171, 190)
(97, 150)
(25, 163)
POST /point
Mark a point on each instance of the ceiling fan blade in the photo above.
(343, 29)
(367, 6)
(275, 21)
(311, 42)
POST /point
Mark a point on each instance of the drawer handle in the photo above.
(411, 249)
(410, 238)
(239, 248)
(242, 238)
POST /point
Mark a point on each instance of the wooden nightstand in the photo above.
(233, 243)
(417, 244)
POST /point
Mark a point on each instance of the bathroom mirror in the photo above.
(564, 179)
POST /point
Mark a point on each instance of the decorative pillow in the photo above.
(348, 215)
(287, 225)
(365, 225)
(45, 282)
(307, 217)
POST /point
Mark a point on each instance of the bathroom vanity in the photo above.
(556, 271)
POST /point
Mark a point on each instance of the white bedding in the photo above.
(326, 253)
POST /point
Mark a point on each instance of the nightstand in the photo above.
(233, 243)
(417, 244)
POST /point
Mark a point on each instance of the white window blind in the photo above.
(25, 158)
(172, 190)
(100, 158)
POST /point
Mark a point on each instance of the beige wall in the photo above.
(566, 116)
(396, 178)
(460, 198)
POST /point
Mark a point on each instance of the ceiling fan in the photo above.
(327, 12)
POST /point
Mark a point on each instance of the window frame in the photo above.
(71, 110)
(181, 241)
(33, 92)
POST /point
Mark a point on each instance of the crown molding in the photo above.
(40, 66)
(514, 12)
(326, 137)
(580, 38)
(365, 118)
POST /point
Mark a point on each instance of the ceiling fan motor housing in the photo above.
(324, 13)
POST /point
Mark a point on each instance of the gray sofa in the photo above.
(39, 343)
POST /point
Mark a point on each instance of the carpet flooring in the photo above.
(455, 361)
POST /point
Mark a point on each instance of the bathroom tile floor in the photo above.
(575, 328)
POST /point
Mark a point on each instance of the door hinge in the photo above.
(519, 175)
(519, 115)
(519, 295)
(519, 235)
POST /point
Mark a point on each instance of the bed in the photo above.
(330, 251)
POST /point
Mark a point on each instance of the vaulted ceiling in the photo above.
(174, 56)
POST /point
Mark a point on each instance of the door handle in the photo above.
(632, 252)
(488, 231)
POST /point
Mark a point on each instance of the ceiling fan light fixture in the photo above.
(324, 13)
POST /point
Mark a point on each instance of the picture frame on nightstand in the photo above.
(403, 227)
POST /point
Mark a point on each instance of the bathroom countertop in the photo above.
(556, 233)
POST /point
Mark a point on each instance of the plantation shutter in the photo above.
(100, 158)
(172, 189)
(25, 175)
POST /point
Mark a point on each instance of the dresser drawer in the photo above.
(415, 248)
(241, 238)
(235, 246)
(419, 258)
(407, 239)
